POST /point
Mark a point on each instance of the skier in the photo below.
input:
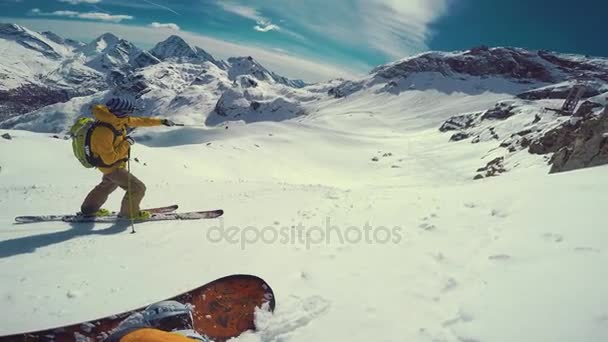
(110, 146)
(167, 321)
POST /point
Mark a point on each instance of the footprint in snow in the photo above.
(332, 196)
(499, 213)
(551, 237)
(499, 257)
(73, 294)
(450, 284)
(462, 317)
(427, 226)
(587, 249)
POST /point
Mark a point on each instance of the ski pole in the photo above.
(129, 193)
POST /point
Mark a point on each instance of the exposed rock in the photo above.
(493, 168)
(144, 59)
(553, 140)
(482, 61)
(7, 136)
(582, 145)
(255, 105)
(27, 98)
(459, 122)
(580, 66)
(245, 82)
(460, 136)
(501, 111)
(555, 93)
(586, 108)
(344, 89)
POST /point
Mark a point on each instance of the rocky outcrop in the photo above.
(586, 108)
(459, 122)
(581, 67)
(518, 64)
(557, 92)
(492, 169)
(584, 144)
(501, 111)
(27, 98)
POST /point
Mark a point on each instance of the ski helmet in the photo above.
(169, 315)
(120, 106)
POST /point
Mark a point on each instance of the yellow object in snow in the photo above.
(153, 335)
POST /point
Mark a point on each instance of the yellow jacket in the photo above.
(112, 147)
(153, 335)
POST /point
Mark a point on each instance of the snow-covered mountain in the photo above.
(379, 195)
(176, 48)
(40, 69)
(183, 81)
(109, 52)
(533, 84)
(239, 66)
(538, 68)
(45, 68)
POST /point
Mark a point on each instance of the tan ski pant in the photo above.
(110, 182)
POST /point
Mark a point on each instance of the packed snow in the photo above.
(356, 209)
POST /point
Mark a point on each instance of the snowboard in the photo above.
(223, 309)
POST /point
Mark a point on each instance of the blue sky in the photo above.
(320, 39)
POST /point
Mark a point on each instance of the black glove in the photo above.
(130, 140)
(168, 122)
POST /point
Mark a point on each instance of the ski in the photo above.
(51, 218)
(171, 216)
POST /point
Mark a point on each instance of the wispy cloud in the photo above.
(398, 28)
(263, 24)
(161, 6)
(395, 28)
(294, 66)
(83, 15)
(240, 10)
(170, 26)
(76, 2)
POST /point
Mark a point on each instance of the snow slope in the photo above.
(446, 258)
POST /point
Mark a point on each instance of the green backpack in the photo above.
(81, 141)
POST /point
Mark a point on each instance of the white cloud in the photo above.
(83, 15)
(265, 26)
(285, 64)
(76, 2)
(170, 26)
